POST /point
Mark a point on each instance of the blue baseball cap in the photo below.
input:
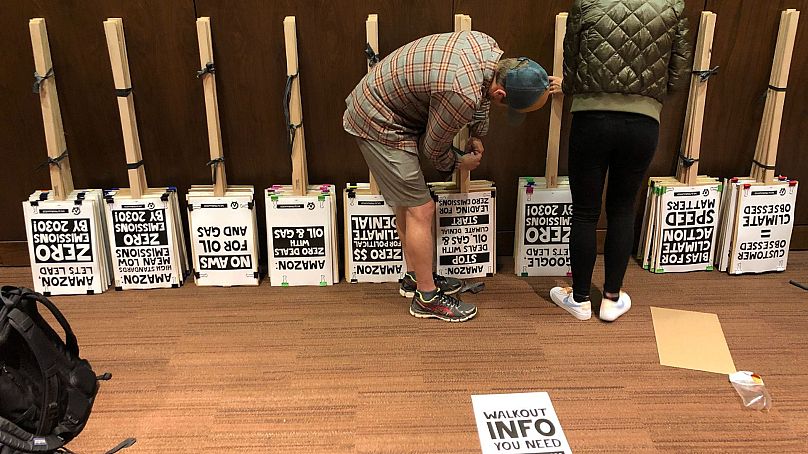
(524, 84)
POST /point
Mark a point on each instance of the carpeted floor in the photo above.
(346, 369)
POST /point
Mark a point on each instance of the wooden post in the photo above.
(769, 135)
(116, 44)
(372, 36)
(462, 23)
(300, 178)
(61, 176)
(211, 105)
(691, 136)
(556, 106)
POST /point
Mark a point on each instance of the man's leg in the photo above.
(418, 243)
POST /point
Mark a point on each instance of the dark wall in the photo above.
(249, 54)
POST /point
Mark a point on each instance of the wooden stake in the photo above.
(116, 44)
(372, 36)
(556, 106)
(300, 179)
(691, 137)
(211, 106)
(60, 174)
(769, 135)
(462, 23)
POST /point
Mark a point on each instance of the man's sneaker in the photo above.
(611, 310)
(562, 297)
(447, 285)
(442, 306)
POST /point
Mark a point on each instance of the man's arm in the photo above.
(448, 113)
(572, 40)
(479, 127)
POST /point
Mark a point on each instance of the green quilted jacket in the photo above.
(631, 51)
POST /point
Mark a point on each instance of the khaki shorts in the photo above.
(397, 172)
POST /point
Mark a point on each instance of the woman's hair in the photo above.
(505, 65)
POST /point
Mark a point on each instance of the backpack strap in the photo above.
(70, 337)
(16, 438)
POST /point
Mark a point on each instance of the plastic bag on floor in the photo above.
(750, 387)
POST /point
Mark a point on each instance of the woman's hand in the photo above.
(555, 85)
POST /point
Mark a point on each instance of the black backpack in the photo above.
(46, 390)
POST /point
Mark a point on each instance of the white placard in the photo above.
(375, 253)
(688, 221)
(63, 244)
(299, 240)
(142, 236)
(764, 221)
(466, 226)
(223, 236)
(524, 423)
(545, 218)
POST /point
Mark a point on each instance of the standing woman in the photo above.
(620, 59)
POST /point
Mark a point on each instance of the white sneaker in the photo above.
(562, 297)
(611, 310)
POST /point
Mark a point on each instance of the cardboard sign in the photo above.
(223, 240)
(764, 221)
(142, 241)
(63, 243)
(523, 423)
(299, 239)
(544, 222)
(466, 230)
(688, 220)
(374, 248)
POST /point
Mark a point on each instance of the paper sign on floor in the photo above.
(523, 423)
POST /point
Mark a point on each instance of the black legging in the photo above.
(624, 144)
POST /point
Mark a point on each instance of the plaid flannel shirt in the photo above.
(422, 94)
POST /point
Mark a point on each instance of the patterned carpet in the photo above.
(346, 369)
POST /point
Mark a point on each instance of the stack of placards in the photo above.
(466, 214)
(758, 215)
(145, 229)
(372, 246)
(221, 219)
(544, 204)
(66, 228)
(301, 219)
(681, 214)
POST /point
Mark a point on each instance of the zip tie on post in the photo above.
(123, 92)
(214, 164)
(38, 79)
(706, 73)
(687, 162)
(208, 69)
(760, 164)
(287, 95)
(57, 161)
(134, 165)
(371, 54)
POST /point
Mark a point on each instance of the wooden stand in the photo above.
(372, 35)
(299, 171)
(146, 234)
(462, 23)
(79, 262)
(543, 250)
(211, 105)
(556, 106)
(691, 136)
(61, 177)
(307, 211)
(769, 136)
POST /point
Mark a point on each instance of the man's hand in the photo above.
(555, 85)
(475, 145)
(469, 161)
